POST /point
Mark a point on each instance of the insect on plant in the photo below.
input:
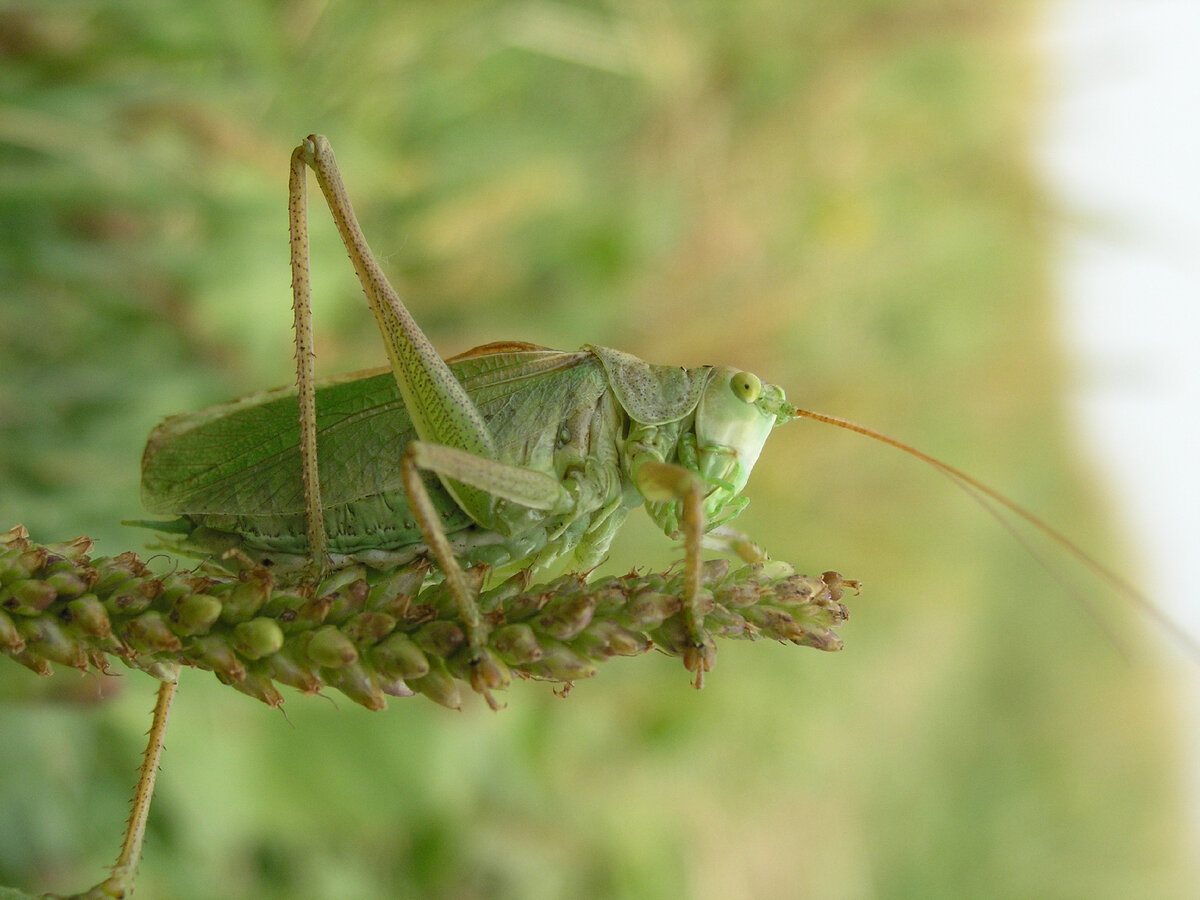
(510, 456)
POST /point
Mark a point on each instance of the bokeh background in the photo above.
(838, 196)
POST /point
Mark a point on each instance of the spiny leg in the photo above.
(441, 410)
(431, 528)
(665, 481)
(439, 406)
(461, 448)
(486, 673)
(699, 656)
(515, 484)
(305, 388)
(120, 883)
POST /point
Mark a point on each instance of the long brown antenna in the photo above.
(983, 493)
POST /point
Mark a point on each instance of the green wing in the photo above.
(242, 458)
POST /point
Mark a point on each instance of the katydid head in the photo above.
(734, 417)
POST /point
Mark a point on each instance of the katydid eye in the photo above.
(745, 386)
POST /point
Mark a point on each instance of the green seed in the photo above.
(258, 686)
(66, 585)
(88, 616)
(368, 628)
(357, 683)
(257, 638)
(213, 652)
(438, 686)
(440, 638)
(130, 600)
(245, 600)
(287, 670)
(195, 613)
(10, 639)
(517, 644)
(397, 656)
(489, 673)
(330, 649)
(601, 640)
(651, 608)
(560, 663)
(565, 619)
(348, 601)
(27, 597)
(335, 581)
(150, 633)
(46, 638)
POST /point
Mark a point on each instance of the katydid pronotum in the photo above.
(511, 455)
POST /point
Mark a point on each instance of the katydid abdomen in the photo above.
(231, 471)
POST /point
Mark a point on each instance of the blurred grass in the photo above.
(835, 195)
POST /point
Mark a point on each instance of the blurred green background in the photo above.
(836, 195)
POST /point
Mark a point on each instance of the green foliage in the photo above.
(834, 195)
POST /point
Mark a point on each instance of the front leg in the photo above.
(664, 482)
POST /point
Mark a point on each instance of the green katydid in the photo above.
(510, 454)
(538, 454)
